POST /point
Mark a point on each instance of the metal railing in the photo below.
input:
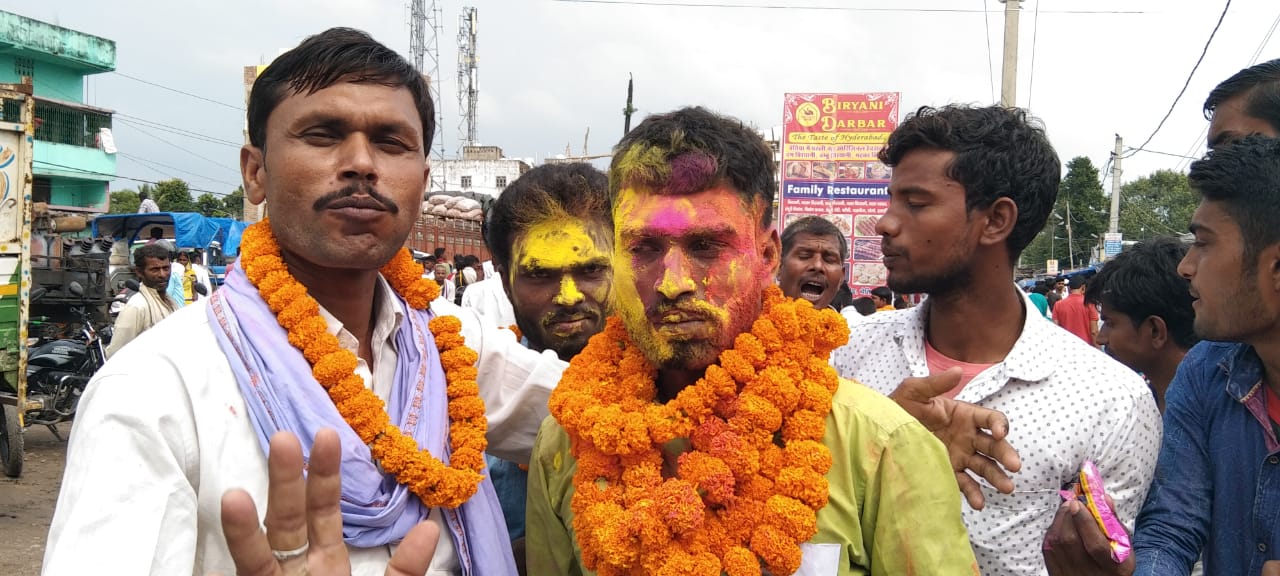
(62, 124)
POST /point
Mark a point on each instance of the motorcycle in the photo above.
(57, 373)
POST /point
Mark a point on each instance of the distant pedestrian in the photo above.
(1074, 315)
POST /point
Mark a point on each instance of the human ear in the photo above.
(1001, 217)
(253, 172)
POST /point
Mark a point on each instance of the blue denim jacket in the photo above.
(1217, 483)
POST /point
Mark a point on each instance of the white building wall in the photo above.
(488, 177)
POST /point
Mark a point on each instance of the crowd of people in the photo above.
(653, 379)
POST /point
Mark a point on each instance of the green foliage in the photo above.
(124, 202)
(1081, 197)
(173, 195)
(233, 203)
(1159, 204)
(209, 205)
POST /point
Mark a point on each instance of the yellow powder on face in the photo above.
(560, 244)
(569, 294)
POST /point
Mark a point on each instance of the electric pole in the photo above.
(1115, 186)
(626, 112)
(1009, 74)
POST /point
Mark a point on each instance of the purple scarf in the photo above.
(281, 394)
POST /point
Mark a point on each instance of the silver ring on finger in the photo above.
(287, 555)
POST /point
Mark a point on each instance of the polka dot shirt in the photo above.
(1066, 402)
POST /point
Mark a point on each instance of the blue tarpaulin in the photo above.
(186, 229)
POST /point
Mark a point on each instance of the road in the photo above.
(26, 503)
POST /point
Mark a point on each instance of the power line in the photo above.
(1189, 76)
(837, 8)
(139, 128)
(177, 91)
(152, 164)
(1035, 33)
(1163, 153)
(1199, 141)
(991, 74)
(180, 131)
(119, 177)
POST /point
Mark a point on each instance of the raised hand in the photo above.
(974, 435)
(304, 522)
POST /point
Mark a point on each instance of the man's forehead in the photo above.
(818, 241)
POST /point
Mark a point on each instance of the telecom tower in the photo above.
(468, 77)
(424, 15)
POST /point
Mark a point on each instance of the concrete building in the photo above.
(252, 212)
(74, 152)
(482, 170)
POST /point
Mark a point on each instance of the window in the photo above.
(466, 181)
(502, 182)
(24, 67)
(41, 190)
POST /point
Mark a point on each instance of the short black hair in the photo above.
(1143, 281)
(1000, 153)
(336, 55)
(1244, 179)
(817, 226)
(865, 306)
(883, 293)
(576, 190)
(1262, 85)
(694, 149)
(843, 297)
(143, 195)
(141, 253)
(156, 232)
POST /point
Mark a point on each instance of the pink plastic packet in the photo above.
(1091, 492)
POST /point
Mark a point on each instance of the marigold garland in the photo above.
(746, 493)
(436, 484)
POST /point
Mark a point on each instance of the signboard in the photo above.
(1051, 267)
(829, 169)
(1112, 244)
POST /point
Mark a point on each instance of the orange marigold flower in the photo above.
(807, 454)
(709, 474)
(680, 506)
(804, 425)
(792, 516)
(780, 553)
(739, 561)
(804, 485)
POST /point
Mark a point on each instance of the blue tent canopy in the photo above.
(187, 229)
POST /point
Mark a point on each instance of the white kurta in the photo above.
(162, 433)
(489, 299)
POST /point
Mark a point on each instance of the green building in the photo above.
(72, 164)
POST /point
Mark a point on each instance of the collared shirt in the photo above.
(1217, 484)
(163, 432)
(1066, 402)
(893, 505)
(489, 299)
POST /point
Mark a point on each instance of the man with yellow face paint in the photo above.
(550, 234)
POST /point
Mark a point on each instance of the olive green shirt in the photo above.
(894, 506)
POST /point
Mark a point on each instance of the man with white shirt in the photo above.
(971, 187)
(339, 128)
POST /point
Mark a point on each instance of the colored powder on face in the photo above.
(569, 294)
(557, 245)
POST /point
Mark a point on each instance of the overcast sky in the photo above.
(549, 70)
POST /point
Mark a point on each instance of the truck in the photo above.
(16, 154)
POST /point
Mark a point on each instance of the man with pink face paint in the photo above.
(694, 252)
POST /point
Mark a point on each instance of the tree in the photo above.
(233, 203)
(173, 195)
(124, 202)
(1159, 204)
(210, 205)
(1081, 202)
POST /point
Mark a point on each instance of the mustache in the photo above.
(567, 314)
(689, 309)
(353, 189)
